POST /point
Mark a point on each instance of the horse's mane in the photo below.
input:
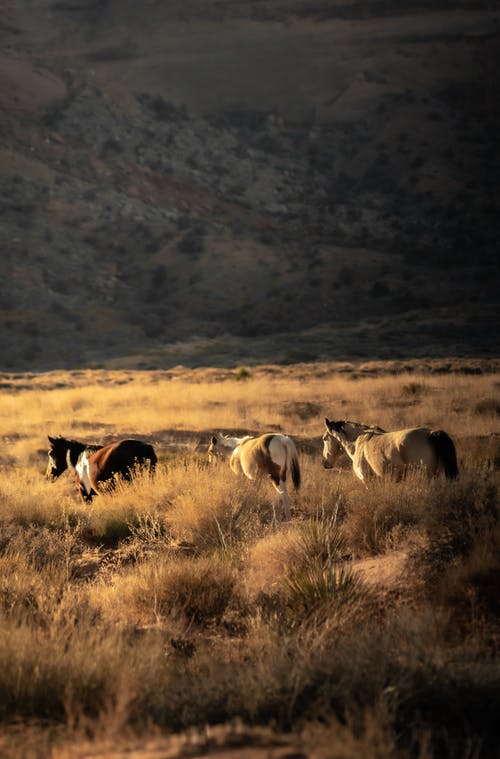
(231, 441)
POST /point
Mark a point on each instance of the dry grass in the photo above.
(175, 601)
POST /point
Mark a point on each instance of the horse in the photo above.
(271, 455)
(333, 450)
(378, 454)
(94, 464)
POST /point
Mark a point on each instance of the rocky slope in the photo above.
(235, 181)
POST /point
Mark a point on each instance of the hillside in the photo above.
(222, 182)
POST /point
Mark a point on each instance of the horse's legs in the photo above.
(87, 497)
(285, 501)
(280, 487)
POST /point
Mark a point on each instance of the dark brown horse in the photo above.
(94, 464)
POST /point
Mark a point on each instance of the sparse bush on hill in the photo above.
(242, 374)
(192, 243)
(488, 406)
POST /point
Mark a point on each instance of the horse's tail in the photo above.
(294, 464)
(445, 451)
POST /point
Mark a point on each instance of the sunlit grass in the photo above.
(176, 600)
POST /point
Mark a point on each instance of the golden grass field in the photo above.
(172, 617)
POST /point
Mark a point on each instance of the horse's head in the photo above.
(221, 447)
(332, 449)
(58, 462)
(214, 450)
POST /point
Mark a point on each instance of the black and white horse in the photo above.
(94, 464)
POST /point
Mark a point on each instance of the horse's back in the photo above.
(283, 453)
(416, 447)
(254, 455)
(270, 453)
(275, 445)
(410, 447)
(123, 455)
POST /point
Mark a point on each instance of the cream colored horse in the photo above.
(269, 455)
(333, 450)
(392, 453)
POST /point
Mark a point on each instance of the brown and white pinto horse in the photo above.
(378, 453)
(94, 464)
(269, 455)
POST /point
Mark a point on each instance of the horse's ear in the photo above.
(327, 422)
(214, 440)
(52, 440)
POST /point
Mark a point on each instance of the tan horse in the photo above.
(271, 455)
(333, 450)
(392, 453)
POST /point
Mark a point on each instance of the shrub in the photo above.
(460, 565)
(487, 407)
(316, 579)
(317, 589)
(72, 674)
(215, 509)
(414, 389)
(382, 517)
(197, 590)
(242, 374)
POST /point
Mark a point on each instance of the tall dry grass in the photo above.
(176, 601)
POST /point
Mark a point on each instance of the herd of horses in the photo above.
(373, 451)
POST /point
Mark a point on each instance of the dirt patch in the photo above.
(387, 572)
(222, 741)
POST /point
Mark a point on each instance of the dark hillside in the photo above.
(190, 182)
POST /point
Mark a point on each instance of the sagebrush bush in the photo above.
(28, 499)
(384, 516)
(197, 589)
(212, 507)
(488, 406)
(47, 675)
(460, 563)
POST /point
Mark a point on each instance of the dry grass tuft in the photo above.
(385, 516)
(197, 589)
(488, 407)
(211, 508)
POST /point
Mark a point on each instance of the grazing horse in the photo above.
(381, 453)
(269, 454)
(333, 450)
(94, 464)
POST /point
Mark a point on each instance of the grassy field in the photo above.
(172, 617)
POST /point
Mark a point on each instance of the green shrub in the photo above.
(242, 374)
(317, 579)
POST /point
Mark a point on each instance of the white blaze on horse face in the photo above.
(51, 467)
(83, 471)
(326, 451)
(221, 447)
(332, 450)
